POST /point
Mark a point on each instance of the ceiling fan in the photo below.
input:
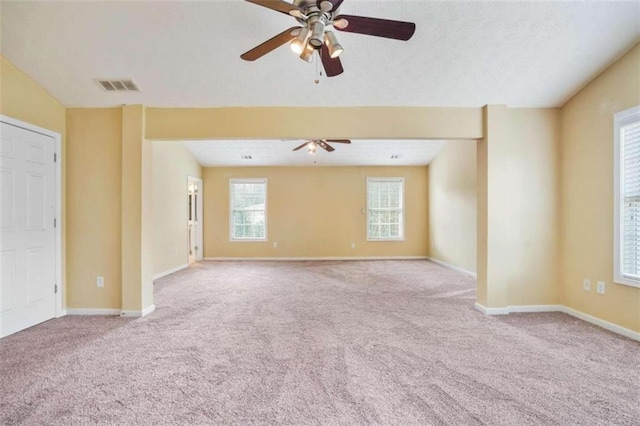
(315, 17)
(313, 144)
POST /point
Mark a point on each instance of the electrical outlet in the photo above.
(275, 244)
(601, 286)
(100, 281)
(353, 245)
(586, 284)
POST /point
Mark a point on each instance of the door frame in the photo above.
(199, 209)
(57, 149)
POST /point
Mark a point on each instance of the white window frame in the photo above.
(387, 179)
(232, 238)
(619, 120)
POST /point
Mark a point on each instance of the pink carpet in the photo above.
(385, 342)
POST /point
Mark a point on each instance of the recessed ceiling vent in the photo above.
(117, 85)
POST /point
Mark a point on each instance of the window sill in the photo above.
(385, 239)
(627, 281)
(248, 240)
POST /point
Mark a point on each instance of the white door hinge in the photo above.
(55, 288)
(55, 157)
(55, 222)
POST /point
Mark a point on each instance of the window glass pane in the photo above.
(384, 201)
(394, 217)
(248, 210)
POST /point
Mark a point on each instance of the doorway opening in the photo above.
(194, 219)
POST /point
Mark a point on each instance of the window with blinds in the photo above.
(627, 196)
(385, 201)
(248, 202)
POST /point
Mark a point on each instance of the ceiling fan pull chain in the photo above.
(318, 70)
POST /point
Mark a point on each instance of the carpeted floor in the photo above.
(385, 342)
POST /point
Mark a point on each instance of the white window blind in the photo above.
(627, 127)
(385, 201)
(248, 201)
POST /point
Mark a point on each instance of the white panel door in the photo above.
(27, 239)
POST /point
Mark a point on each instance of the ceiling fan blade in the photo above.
(324, 145)
(398, 30)
(335, 4)
(301, 146)
(279, 6)
(332, 66)
(269, 45)
(338, 140)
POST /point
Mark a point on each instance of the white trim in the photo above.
(491, 311)
(137, 314)
(620, 119)
(450, 266)
(521, 309)
(564, 309)
(170, 271)
(58, 188)
(386, 179)
(93, 311)
(602, 323)
(280, 259)
(264, 181)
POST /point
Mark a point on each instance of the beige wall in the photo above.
(314, 212)
(452, 205)
(518, 170)
(587, 186)
(94, 205)
(172, 164)
(23, 99)
(302, 123)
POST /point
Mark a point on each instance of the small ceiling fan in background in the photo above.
(316, 17)
(313, 144)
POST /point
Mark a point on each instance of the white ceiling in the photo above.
(522, 54)
(221, 153)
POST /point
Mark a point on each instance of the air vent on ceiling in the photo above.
(246, 157)
(117, 85)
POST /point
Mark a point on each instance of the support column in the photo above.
(492, 165)
(137, 210)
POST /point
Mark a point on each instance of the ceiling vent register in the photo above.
(117, 85)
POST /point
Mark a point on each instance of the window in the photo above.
(385, 201)
(248, 201)
(627, 197)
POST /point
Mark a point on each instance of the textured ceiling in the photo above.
(188, 53)
(222, 153)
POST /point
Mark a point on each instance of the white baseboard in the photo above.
(170, 271)
(491, 311)
(602, 323)
(93, 311)
(320, 258)
(564, 309)
(137, 314)
(454, 267)
(61, 313)
(519, 309)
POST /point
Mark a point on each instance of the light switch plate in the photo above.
(586, 284)
(601, 287)
(100, 281)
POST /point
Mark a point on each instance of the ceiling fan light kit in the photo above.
(313, 144)
(315, 17)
